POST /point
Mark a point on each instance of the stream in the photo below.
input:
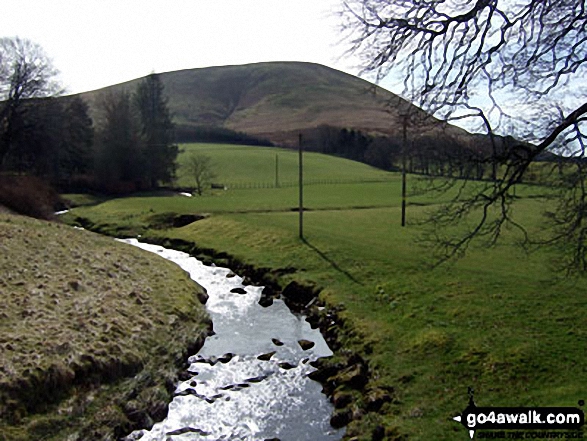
(239, 390)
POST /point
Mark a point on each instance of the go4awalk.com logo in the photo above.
(522, 422)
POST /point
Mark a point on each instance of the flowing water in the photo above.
(233, 394)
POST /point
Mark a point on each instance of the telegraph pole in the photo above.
(404, 148)
(276, 170)
(301, 185)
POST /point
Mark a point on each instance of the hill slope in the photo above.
(277, 100)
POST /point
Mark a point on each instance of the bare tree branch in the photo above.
(25, 72)
(512, 68)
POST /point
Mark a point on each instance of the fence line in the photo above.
(258, 185)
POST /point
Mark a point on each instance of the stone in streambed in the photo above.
(325, 369)
(285, 365)
(184, 376)
(277, 342)
(355, 376)
(313, 316)
(188, 391)
(297, 296)
(238, 291)
(255, 379)
(306, 344)
(341, 400)
(202, 296)
(266, 357)
(187, 430)
(341, 418)
(265, 301)
(158, 410)
(225, 358)
(211, 361)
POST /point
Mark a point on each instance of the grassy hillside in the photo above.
(498, 320)
(276, 100)
(91, 332)
(238, 165)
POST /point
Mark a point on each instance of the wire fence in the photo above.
(257, 185)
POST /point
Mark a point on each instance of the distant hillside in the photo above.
(277, 100)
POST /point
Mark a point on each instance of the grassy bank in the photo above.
(92, 332)
(499, 320)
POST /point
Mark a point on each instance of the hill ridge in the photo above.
(276, 100)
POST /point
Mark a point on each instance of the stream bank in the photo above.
(93, 333)
(346, 378)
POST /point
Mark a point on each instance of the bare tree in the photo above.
(25, 72)
(199, 168)
(509, 67)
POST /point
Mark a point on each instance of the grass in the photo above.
(498, 320)
(86, 333)
(239, 165)
(78, 200)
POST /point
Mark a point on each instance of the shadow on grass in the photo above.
(331, 262)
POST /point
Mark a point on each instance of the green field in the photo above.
(248, 166)
(498, 320)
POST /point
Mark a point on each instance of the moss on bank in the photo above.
(92, 332)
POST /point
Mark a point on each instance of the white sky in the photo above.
(97, 43)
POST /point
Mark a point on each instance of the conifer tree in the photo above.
(157, 131)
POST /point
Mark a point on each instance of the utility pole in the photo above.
(404, 148)
(276, 170)
(301, 185)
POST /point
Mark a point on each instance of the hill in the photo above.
(277, 100)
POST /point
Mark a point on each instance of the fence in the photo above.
(257, 185)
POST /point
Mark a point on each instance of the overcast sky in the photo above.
(96, 43)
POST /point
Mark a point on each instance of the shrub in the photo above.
(29, 196)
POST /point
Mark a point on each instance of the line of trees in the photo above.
(213, 134)
(49, 138)
(130, 147)
(135, 148)
(440, 155)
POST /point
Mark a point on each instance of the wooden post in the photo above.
(301, 186)
(404, 148)
(276, 170)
